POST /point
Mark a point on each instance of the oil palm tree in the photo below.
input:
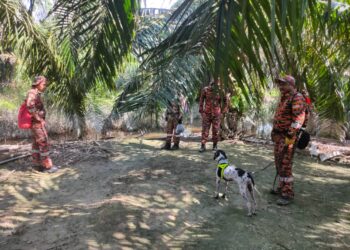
(80, 44)
(247, 43)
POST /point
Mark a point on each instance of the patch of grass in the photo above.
(7, 105)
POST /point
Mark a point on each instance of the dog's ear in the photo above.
(215, 155)
(224, 154)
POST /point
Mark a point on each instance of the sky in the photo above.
(166, 4)
(39, 13)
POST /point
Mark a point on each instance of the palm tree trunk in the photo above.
(80, 127)
(31, 7)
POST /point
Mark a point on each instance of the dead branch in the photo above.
(14, 158)
(4, 178)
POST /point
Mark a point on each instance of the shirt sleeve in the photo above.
(31, 102)
(31, 106)
(180, 111)
(226, 102)
(298, 114)
(201, 100)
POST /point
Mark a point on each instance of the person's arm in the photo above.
(201, 100)
(226, 103)
(180, 114)
(166, 114)
(298, 116)
(308, 107)
(31, 106)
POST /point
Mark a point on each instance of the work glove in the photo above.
(289, 141)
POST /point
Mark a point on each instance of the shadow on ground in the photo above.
(144, 198)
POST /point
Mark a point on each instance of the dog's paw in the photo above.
(223, 196)
(216, 196)
(249, 214)
(254, 213)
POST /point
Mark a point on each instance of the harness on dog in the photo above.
(221, 169)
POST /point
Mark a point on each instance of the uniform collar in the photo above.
(37, 91)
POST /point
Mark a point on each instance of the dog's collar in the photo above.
(223, 161)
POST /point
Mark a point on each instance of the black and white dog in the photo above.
(244, 180)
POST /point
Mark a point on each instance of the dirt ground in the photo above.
(143, 198)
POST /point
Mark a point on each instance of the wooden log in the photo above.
(14, 158)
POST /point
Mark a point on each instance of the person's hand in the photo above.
(43, 123)
(289, 141)
(273, 136)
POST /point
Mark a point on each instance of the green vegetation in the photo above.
(94, 52)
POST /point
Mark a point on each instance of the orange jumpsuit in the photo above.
(40, 146)
(210, 108)
(290, 116)
(173, 115)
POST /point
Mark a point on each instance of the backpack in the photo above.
(24, 117)
(304, 139)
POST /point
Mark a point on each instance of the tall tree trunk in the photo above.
(31, 7)
(80, 127)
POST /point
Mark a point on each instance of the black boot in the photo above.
(215, 146)
(167, 146)
(175, 146)
(202, 149)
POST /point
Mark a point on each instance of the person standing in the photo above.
(35, 106)
(173, 117)
(212, 104)
(289, 118)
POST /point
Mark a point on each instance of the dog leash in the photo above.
(264, 168)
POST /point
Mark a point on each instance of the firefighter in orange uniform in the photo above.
(35, 106)
(210, 107)
(173, 117)
(289, 118)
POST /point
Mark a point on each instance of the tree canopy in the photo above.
(84, 44)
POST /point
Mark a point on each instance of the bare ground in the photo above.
(143, 198)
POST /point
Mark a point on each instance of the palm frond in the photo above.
(94, 38)
(33, 43)
(266, 36)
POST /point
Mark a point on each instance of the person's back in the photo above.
(211, 106)
(210, 100)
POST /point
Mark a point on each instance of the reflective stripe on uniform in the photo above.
(296, 125)
(45, 154)
(286, 179)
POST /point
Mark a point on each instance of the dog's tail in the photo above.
(250, 175)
